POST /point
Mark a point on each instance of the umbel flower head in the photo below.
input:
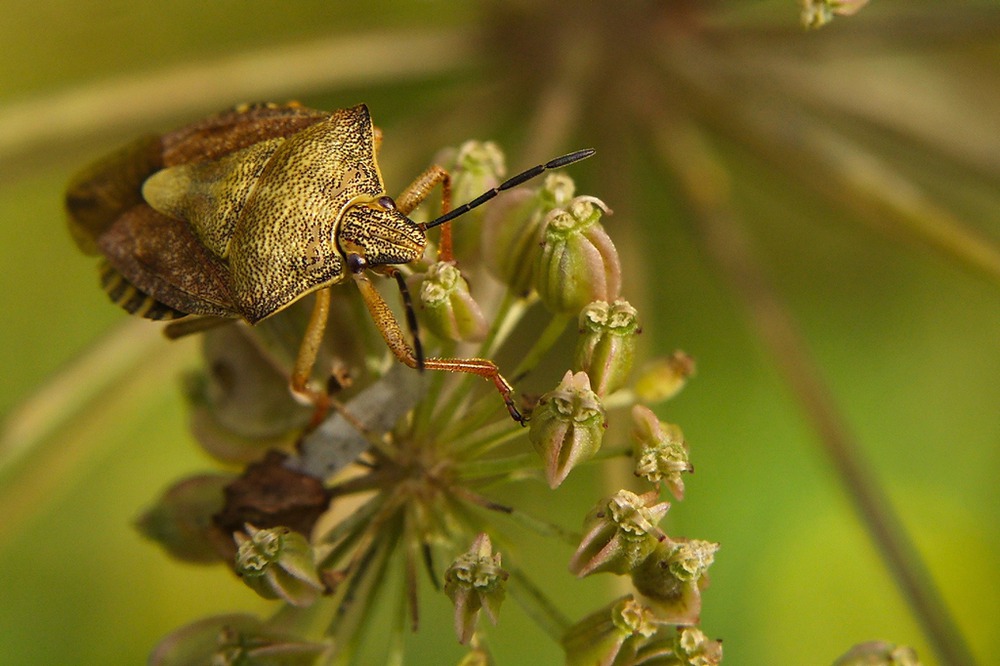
(404, 472)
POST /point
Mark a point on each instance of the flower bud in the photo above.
(817, 13)
(234, 639)
(673, 577)
(692, 646)
(512, 230)
(663, 378)
(606, 347)
(448, 308)
(611, 635)
(475, 167)
(619, 533)
(475, 580)
(879, 653)
(661, 454)
(567, 426)
(278, 563)
(181, 520)
(578, 263)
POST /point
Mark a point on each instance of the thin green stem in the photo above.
(542, 345)
(538, 607)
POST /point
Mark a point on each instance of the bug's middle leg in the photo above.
(417, 191)
(387, 325)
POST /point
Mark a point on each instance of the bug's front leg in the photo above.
(387, 325)
(417, 191)
(306, 357)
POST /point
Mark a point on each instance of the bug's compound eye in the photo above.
(356, 263)
(387, 203)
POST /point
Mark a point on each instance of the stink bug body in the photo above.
(241, 214)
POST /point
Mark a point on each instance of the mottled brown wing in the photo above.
(235, 129)
(99, 194)
(162, 258)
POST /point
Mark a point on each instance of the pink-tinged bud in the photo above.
(475, 581)
(619, 534)
(234, 639)
(661, 453)
(578, 263)
(181, 520)
(278, 563)
(567, 426)
(663, 378)
(606, 347)
(512, 230)
(673, 576)
(611, 635)
(446, 304)
(879, 653)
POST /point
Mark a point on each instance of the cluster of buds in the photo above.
(425, 459)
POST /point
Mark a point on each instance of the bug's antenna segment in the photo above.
(509, 183)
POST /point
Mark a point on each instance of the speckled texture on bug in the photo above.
(283, 245)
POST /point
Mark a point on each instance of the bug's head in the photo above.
(380, 233)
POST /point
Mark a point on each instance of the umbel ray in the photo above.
(241, 214)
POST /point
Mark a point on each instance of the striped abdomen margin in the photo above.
(126, 295)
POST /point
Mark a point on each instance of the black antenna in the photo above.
(509, 183)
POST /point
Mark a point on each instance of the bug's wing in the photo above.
(99, 194)
(236, 129)
(162, 258)
(103, 191)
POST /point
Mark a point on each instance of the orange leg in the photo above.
(418, 191)
(394, 339)
(306, 358)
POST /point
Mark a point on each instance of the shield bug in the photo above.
(241, 214)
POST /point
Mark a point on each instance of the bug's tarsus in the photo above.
(514, 181)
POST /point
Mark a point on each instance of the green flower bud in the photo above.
(181, 520)
(225, 640)
(475, 167)
(661, 454)
(817, 13)
(693, 648)
(512, 230)
(611, 635)
(475, 580)
(879, 653)
(663, 378)
(567, 426)
(606, 347)
(448, 308)
(619, 534)
(277, 563)
(578, 263)
(673, 576)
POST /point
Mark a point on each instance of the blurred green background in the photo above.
(905, 336)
